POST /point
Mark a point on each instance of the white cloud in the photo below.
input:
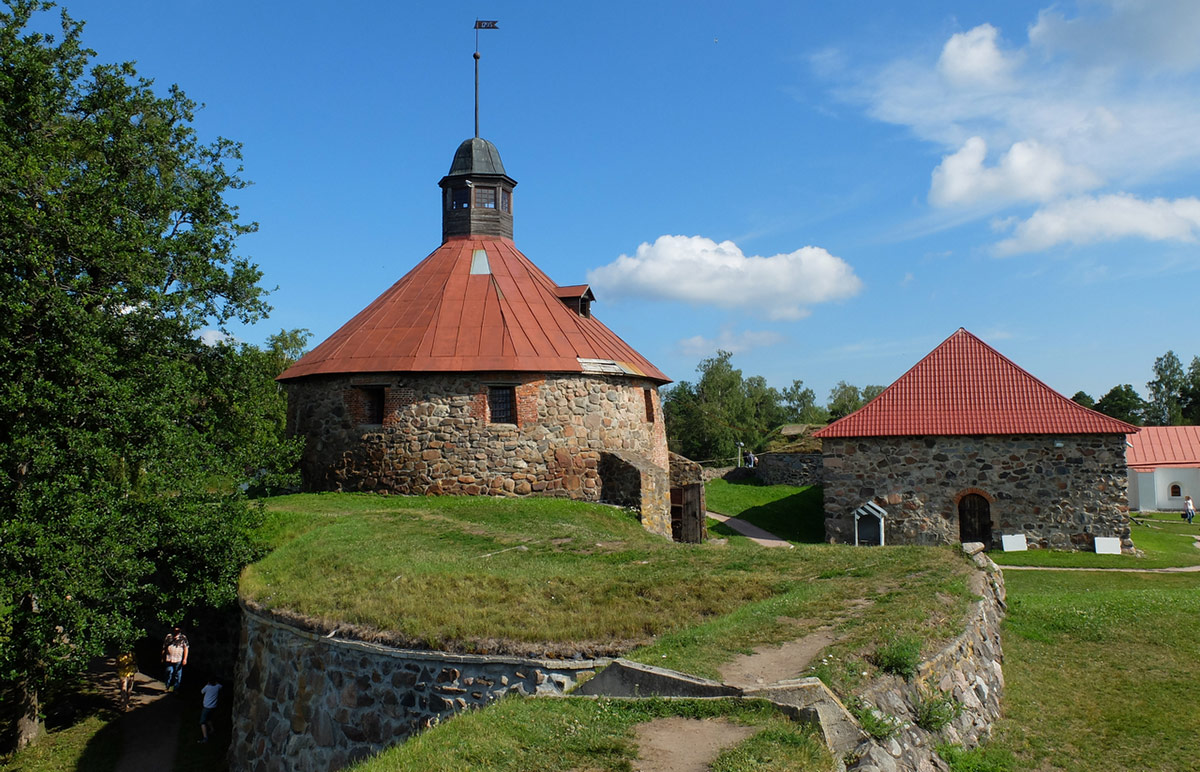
(727, 340)
(214, 337)
(972, 59)
(1100, 102)
(1087, 220)
(1027, 172)
(698, 270)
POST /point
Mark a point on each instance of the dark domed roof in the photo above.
(477, 156)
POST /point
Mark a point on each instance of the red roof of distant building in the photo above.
(458, 311)
(964, 386)
(1164, 446)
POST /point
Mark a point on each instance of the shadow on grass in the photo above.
(797, 517)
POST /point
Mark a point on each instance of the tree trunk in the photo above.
(29, 721)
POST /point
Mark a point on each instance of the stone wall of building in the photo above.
(1060, 491)
(435, 434)
(789, 468)
(304, 702)
(968, 670)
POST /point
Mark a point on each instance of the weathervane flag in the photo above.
(481, 24)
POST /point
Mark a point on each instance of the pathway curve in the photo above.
(751, 531)
(150, 728)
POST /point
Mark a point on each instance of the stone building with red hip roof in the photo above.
(475, 373)
(967, 447)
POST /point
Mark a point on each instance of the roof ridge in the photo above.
(965, 386)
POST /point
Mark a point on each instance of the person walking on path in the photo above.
(126, 670)
(1189, 509)
(209, 695)
(174, 656)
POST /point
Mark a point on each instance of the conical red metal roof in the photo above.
(964, 386)
(463, 310)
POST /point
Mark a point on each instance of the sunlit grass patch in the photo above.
(790, 512)
(1097, 669)
(557, 735)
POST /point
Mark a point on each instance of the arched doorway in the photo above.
(974, 519)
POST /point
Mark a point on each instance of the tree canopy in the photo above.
(122, 436)
(1123, 403)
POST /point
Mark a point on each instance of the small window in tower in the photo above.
(649, 395)
(372, 404)
(485, 198)
(502, 404)
(460, 198)
(505, 200)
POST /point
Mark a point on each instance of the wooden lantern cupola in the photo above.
(477, 194)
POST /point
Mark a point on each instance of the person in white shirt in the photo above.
(209, 694)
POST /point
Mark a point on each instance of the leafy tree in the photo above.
(801, 404)
(844, 399)
(1189, 402)
(1123, 403)
(1166, 392)
(707, 419)
(1083, 398)
(871, 392)
(116, 247)
(243, 411)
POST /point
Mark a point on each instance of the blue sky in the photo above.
(829, 190)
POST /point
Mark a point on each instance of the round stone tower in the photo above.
(475, 373)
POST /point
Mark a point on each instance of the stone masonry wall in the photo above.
(436, 437)
(789, 468)
(308, 703)
(968, 670)
(1059, 497)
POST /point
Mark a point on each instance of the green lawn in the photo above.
(1166, 543)
(790, 512)
(556, 735)
(1101, 671)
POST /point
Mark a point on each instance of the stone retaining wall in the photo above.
(1060, 491)
(309, 703)
(967, 670)
(789, 468)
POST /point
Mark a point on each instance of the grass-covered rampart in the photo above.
(542, 576)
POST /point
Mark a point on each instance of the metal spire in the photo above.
(479, 24)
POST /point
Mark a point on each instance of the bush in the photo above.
(935, 711)
(900, 656)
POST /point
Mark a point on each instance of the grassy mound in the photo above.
(548, 577)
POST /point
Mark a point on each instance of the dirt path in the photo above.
(685, 744)
(150, 728)
(770, 664)
(751, 531)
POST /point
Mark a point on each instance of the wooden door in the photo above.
(975, 519)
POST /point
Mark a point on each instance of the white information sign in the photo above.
(1108, 545)
(1014, 542)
